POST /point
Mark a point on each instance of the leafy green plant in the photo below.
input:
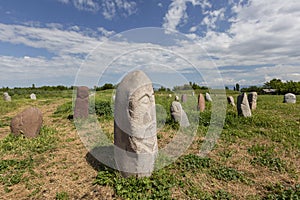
(192, 162)
(6, 107)
(103, 109)
(221, 195)
(197, 194)
(280, 192)
(204, 119)
(62, 196)
(64, 110)
(173, 124)
(12, 171)
(155, 187)
(227, 174)
(2, 124)
(265, 156)
(25, 146)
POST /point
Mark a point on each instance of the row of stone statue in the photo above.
(135, 134)
(245, 103)
(7, 97)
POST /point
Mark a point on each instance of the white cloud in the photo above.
(105, 32)
(54, 25)
(211, 18)
(75, 28)
(176, 13)
(261, 33)
(87, 5)
(57, 41)
(34, 68)
(108, 8)
(125, 8)
(193, 29)
(70, 47)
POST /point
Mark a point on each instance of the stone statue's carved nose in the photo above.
(147, 118)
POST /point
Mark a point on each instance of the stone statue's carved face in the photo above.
(176, 107)
(141, 108)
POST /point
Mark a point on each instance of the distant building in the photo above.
(269, 91)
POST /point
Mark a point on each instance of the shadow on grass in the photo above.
(101, 157)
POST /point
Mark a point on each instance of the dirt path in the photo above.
(65, 170)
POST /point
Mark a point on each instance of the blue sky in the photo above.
(46, 42)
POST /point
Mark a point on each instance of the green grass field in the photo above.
(254, 158)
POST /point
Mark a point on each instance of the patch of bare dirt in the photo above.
(64, 170)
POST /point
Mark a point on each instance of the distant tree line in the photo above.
(163, 89)
(106, 86)
(44, 90)
(190, 86)
(278, 86)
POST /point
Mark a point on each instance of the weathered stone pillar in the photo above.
(33, 96)
(208, 97)
(28, 122)
(289, 98)
(183, 98)
(81, 109)
(252, 99)
(201, 102)
(178, 114)
(243, 107)
(6, 97)
(230, 100)
(135, 126)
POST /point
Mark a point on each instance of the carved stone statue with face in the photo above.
(135, 126)
(178, 114)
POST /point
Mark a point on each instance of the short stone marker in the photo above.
(28, 122)
(201, 103)
(193, 93)
(81, 109)
(230, 100)
(6, 97)
(176, 98)
(183, 98)
(252, 99)
(289, 98)
(135, 136)
(243, 107)
(33, 96)
(178, 114)
(170, 96)
(208, 97)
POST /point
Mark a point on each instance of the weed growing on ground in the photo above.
(62, 196)
(64, 110)
(12, 171)
(193, 162)
(265, 156)
(6, 107)
(24, 146)
(24, 150)
(279, 192)
(155, 187)
(227, 174)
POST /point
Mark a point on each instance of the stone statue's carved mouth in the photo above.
(145, 131)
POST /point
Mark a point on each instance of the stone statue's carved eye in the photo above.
(145, 99)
